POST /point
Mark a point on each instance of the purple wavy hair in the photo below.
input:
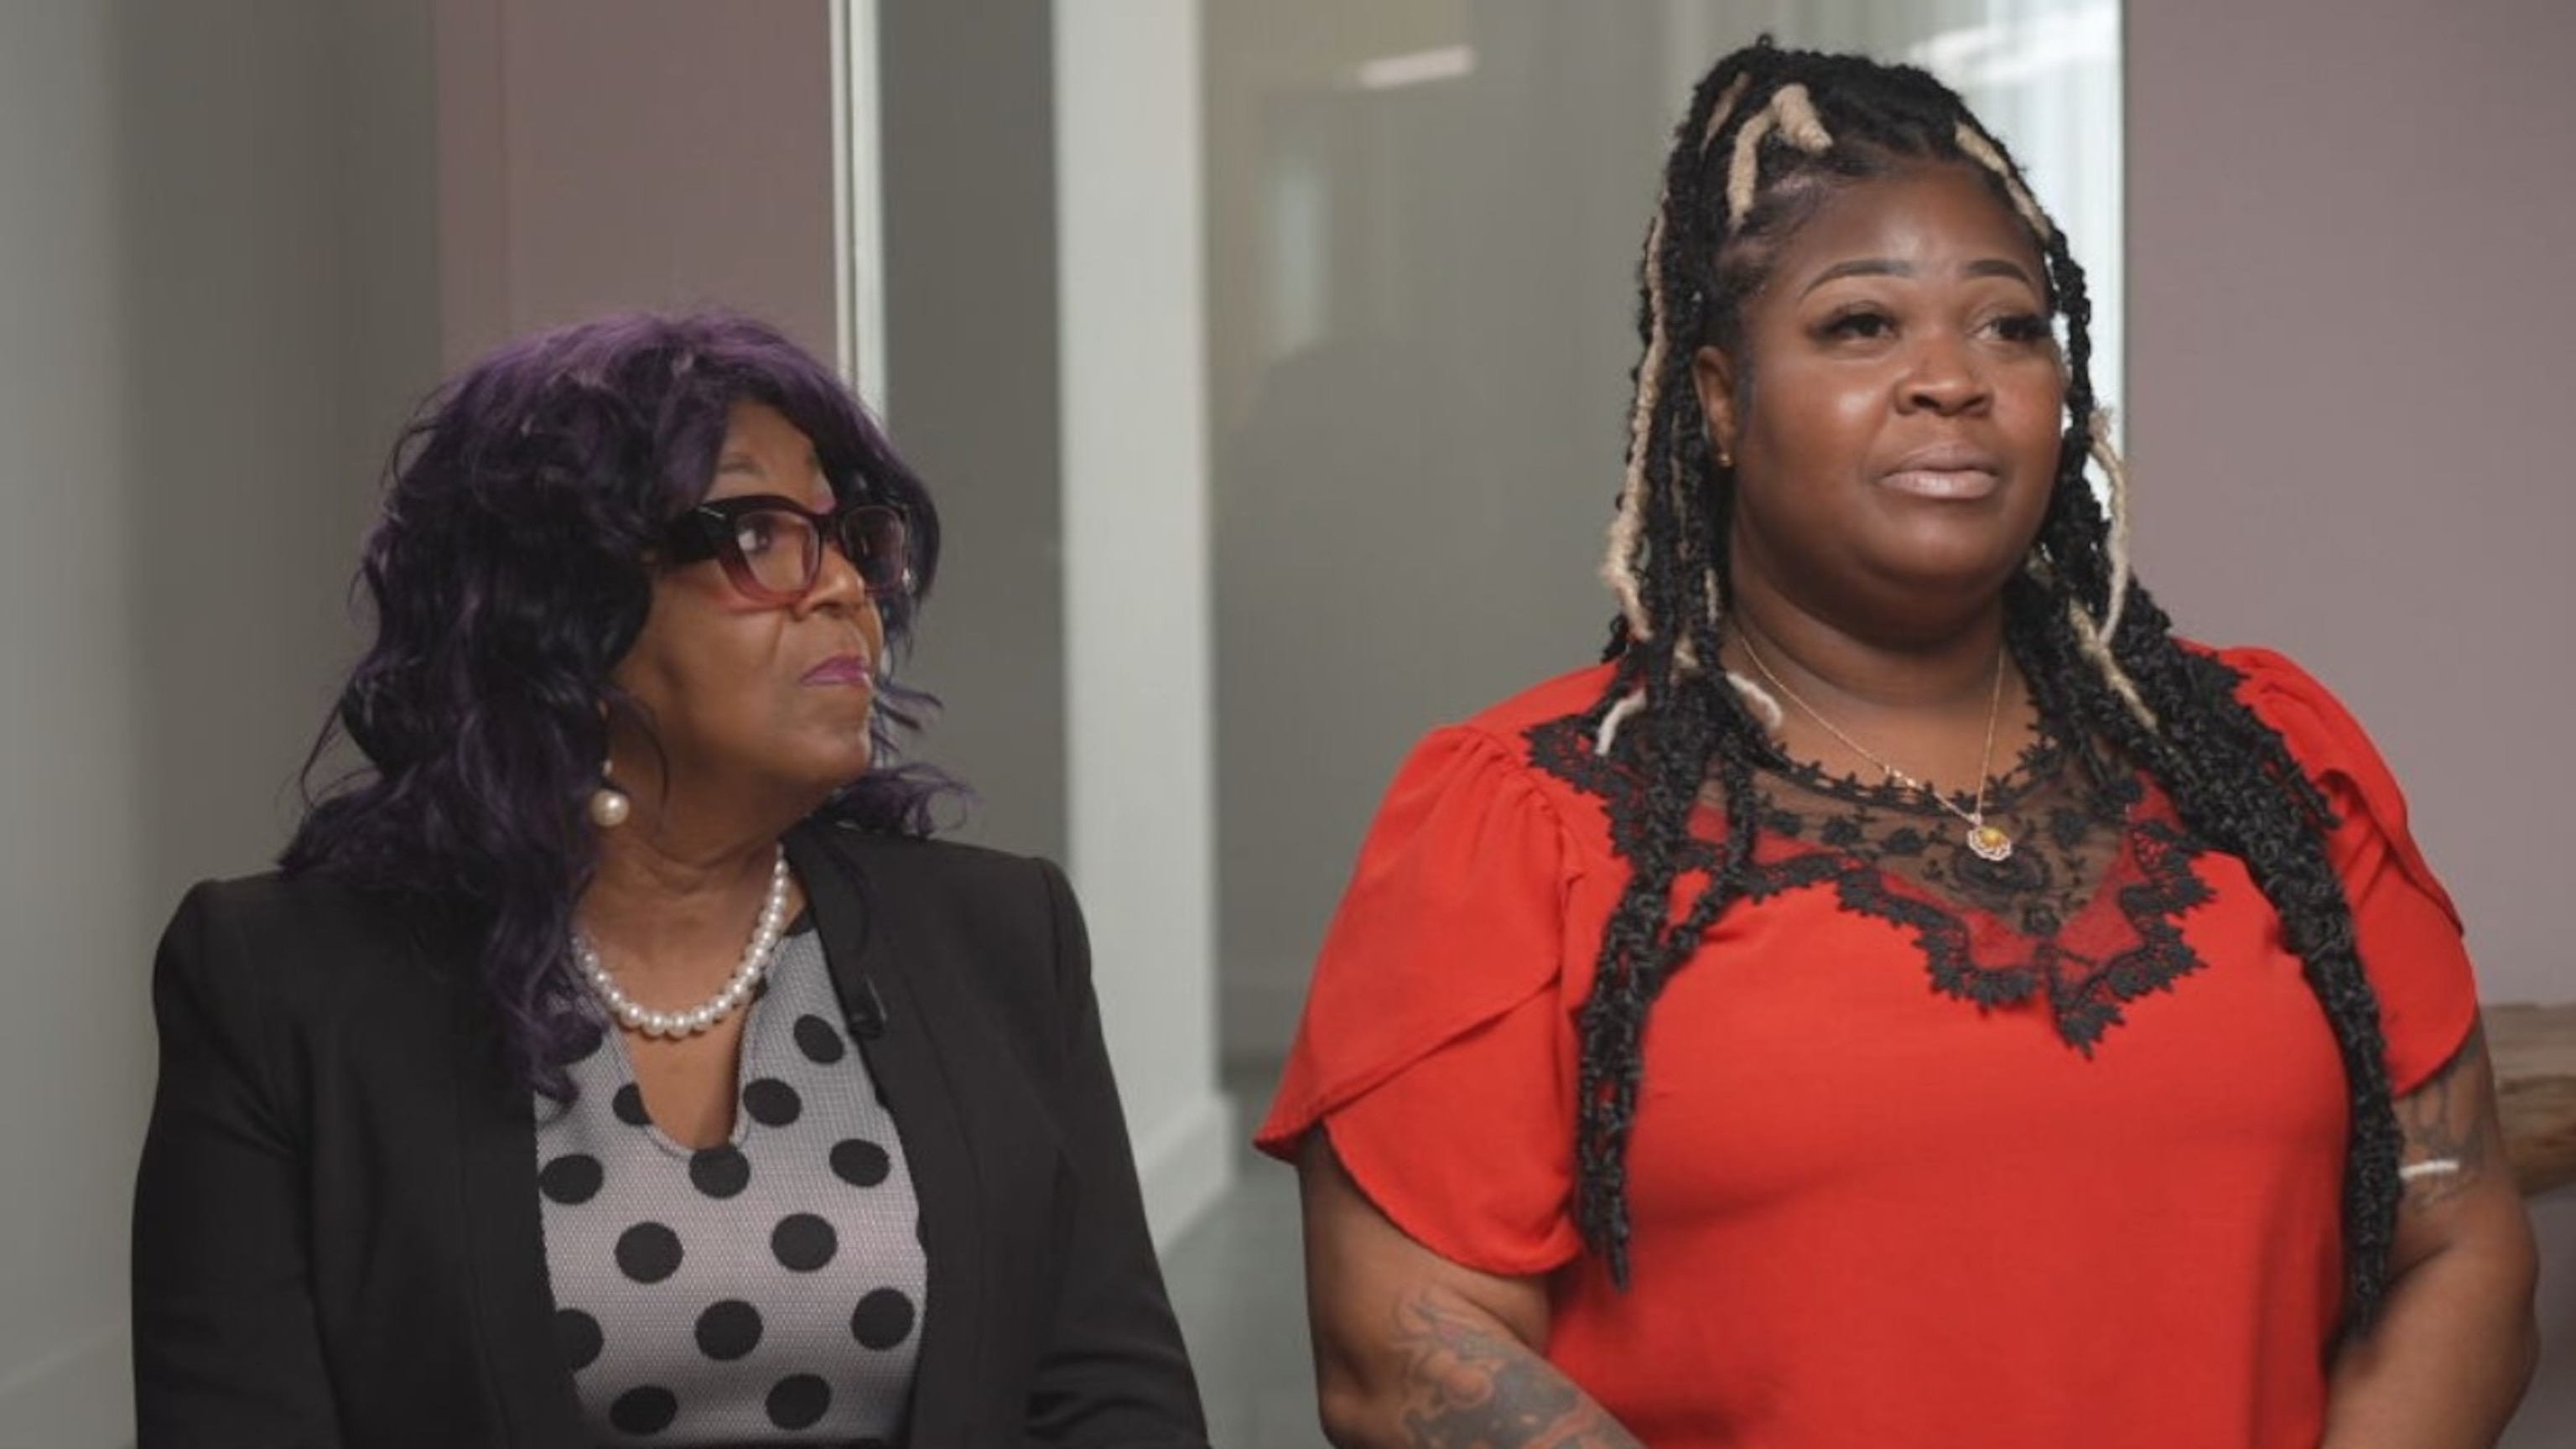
(507, 577)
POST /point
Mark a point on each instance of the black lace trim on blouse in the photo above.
(2084, 916)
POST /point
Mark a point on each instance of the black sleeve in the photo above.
(1113, 1372)
(226, 1351)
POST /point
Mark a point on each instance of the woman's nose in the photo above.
(1944, 377)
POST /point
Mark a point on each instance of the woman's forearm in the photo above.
(2455, 1342)
(1464, 1381)
(2445, 1364)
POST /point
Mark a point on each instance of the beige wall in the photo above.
(597, 154)
(2350, 350)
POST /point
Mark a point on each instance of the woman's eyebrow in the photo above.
(1892, 267)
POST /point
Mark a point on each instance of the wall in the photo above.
(623, 153)
(1420, 340)
(73, 837)
(975, 401)
(1138, 698)
(2348, 230)
(217, 301)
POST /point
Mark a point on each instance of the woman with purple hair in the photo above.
(614, 1059)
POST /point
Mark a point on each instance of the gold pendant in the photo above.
(1988, 842)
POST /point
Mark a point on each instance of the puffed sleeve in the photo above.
(2405, 927)
(1436, 1048)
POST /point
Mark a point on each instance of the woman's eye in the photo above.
(2022, 327)
(754, 533)
(1860, 325)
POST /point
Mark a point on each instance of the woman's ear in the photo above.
(1713, 377)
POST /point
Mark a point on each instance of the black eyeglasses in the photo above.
(772, 547)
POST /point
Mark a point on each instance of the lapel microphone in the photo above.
(866, 1016)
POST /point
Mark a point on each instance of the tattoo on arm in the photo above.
(1471, 1385)
(2445, 1122)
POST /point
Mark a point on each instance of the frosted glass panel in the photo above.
(1423, 226)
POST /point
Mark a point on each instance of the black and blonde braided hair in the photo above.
(1769, 135)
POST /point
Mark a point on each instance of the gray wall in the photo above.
(974, 401)
(2349, 227)
(1417, 447)
(216, 302)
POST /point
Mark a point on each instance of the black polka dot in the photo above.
(728, 1330)
(720, 1172)
(883, 1319)
(648, 1252)
(798, 1401)
(772, 1103)
(803, 1242)
(577, 1338)
(570, 1179)
(646, 1410)
(859, 1162)
(628, 1104)
(816, 1038)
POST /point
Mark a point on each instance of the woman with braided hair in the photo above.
(1903, 994)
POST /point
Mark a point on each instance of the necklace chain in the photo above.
(729, 998)
(1986, 842)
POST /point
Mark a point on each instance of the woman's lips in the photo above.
(841, 669)
(1945, 484)
(1951, 472)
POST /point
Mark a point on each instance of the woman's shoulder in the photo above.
(2310, 719)
(275, 907)
(981, 901)
(948, 866)
(273, 894)
(1542, 745)
(304, 948)
(1518, 739)
(1548, 702)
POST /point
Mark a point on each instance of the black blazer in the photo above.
(336, 1219)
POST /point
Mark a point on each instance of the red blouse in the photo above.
(1867, 1208)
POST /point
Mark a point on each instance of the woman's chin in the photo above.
(1952, 568)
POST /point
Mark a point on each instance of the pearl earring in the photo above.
(608, 804)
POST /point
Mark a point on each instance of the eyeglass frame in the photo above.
(709, 531)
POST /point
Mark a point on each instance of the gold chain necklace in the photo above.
(1986, 842)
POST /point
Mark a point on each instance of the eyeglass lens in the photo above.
(783, 551)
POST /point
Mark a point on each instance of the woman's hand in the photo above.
(2455, 1342)
(1413, 1350)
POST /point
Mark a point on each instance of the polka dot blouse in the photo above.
(767, 1290)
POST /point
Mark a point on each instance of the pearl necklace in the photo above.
(1986, 842)
(729, 997)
